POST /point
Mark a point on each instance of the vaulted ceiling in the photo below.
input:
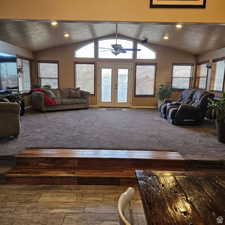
(36, 35)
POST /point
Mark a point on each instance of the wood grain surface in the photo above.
(170, 198)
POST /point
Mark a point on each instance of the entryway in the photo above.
(114, 84)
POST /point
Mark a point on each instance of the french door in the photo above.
(114, 84)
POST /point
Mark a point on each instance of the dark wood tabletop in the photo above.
(184, 198)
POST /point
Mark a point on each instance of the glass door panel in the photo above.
(122, 86)
(106, 85)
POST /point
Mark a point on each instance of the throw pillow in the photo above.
(50, 93)
(75, 93)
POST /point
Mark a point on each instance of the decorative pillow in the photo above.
(65, 92)
(50, 93)
(75, 93)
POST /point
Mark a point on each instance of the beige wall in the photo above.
(165, 58)
(209, 56)
(14, 50)
(109, 10)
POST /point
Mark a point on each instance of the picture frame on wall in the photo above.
(177, 3)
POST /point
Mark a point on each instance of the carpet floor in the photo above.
(114, 129)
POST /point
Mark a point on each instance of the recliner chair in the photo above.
(192, 113)
(185, 98)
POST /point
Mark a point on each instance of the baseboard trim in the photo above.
(143, 107)
(131, 107)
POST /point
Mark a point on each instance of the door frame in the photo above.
(115, 66)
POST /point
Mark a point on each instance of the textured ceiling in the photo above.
(193, 38)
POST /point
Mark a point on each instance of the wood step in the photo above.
(100, 154)
(97, 159)
(69, 173)
(81, 177)
(88, 166)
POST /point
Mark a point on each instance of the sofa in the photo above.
(65, 98)
(189, 112)
(9, 119)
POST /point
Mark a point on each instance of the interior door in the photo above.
(114, 84)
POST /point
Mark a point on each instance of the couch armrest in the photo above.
(84, 94)
(38, 101)
(9, 107)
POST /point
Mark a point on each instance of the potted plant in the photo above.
(46, 86)
(163, 93)
(218, 107)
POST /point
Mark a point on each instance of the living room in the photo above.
(91, 105)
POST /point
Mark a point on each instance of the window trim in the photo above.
(135, 78)
(198, 77)
(48, 61)
(96, 45)
(31, 61)
(190, 78)
(95, 72)
(215, 61)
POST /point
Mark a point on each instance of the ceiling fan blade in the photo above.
(132, 49)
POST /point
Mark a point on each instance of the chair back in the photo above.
(123, 204)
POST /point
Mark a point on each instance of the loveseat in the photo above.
(64, 98)
(190, 111)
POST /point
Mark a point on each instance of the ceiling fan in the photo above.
(117, 49)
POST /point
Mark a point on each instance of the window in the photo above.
(105, 49)
(145, 80)
(8, 75)
(24, 74)
(202, 75)
(181, 76)
(85, 77)
(145, 53)
(219, 76)
(48, 74)
(87, 51)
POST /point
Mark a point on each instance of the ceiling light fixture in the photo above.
(166, 37)
(54, 23)
(66, 35)
(179, 26)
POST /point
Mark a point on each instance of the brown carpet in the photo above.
(113, 129)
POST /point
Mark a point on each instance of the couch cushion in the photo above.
(71, 101)
(74, 93)
(65, 92)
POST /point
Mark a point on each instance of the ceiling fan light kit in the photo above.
(118, 48)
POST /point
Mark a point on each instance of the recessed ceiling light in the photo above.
(166, 37)
(179, 26)
(66, 35)
(54, 23)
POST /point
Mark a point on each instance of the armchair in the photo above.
(9, 119)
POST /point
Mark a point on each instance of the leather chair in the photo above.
(185, 98)
(192, 113)
(9, 119)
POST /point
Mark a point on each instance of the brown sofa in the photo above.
(9, 119)
(64, 97)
